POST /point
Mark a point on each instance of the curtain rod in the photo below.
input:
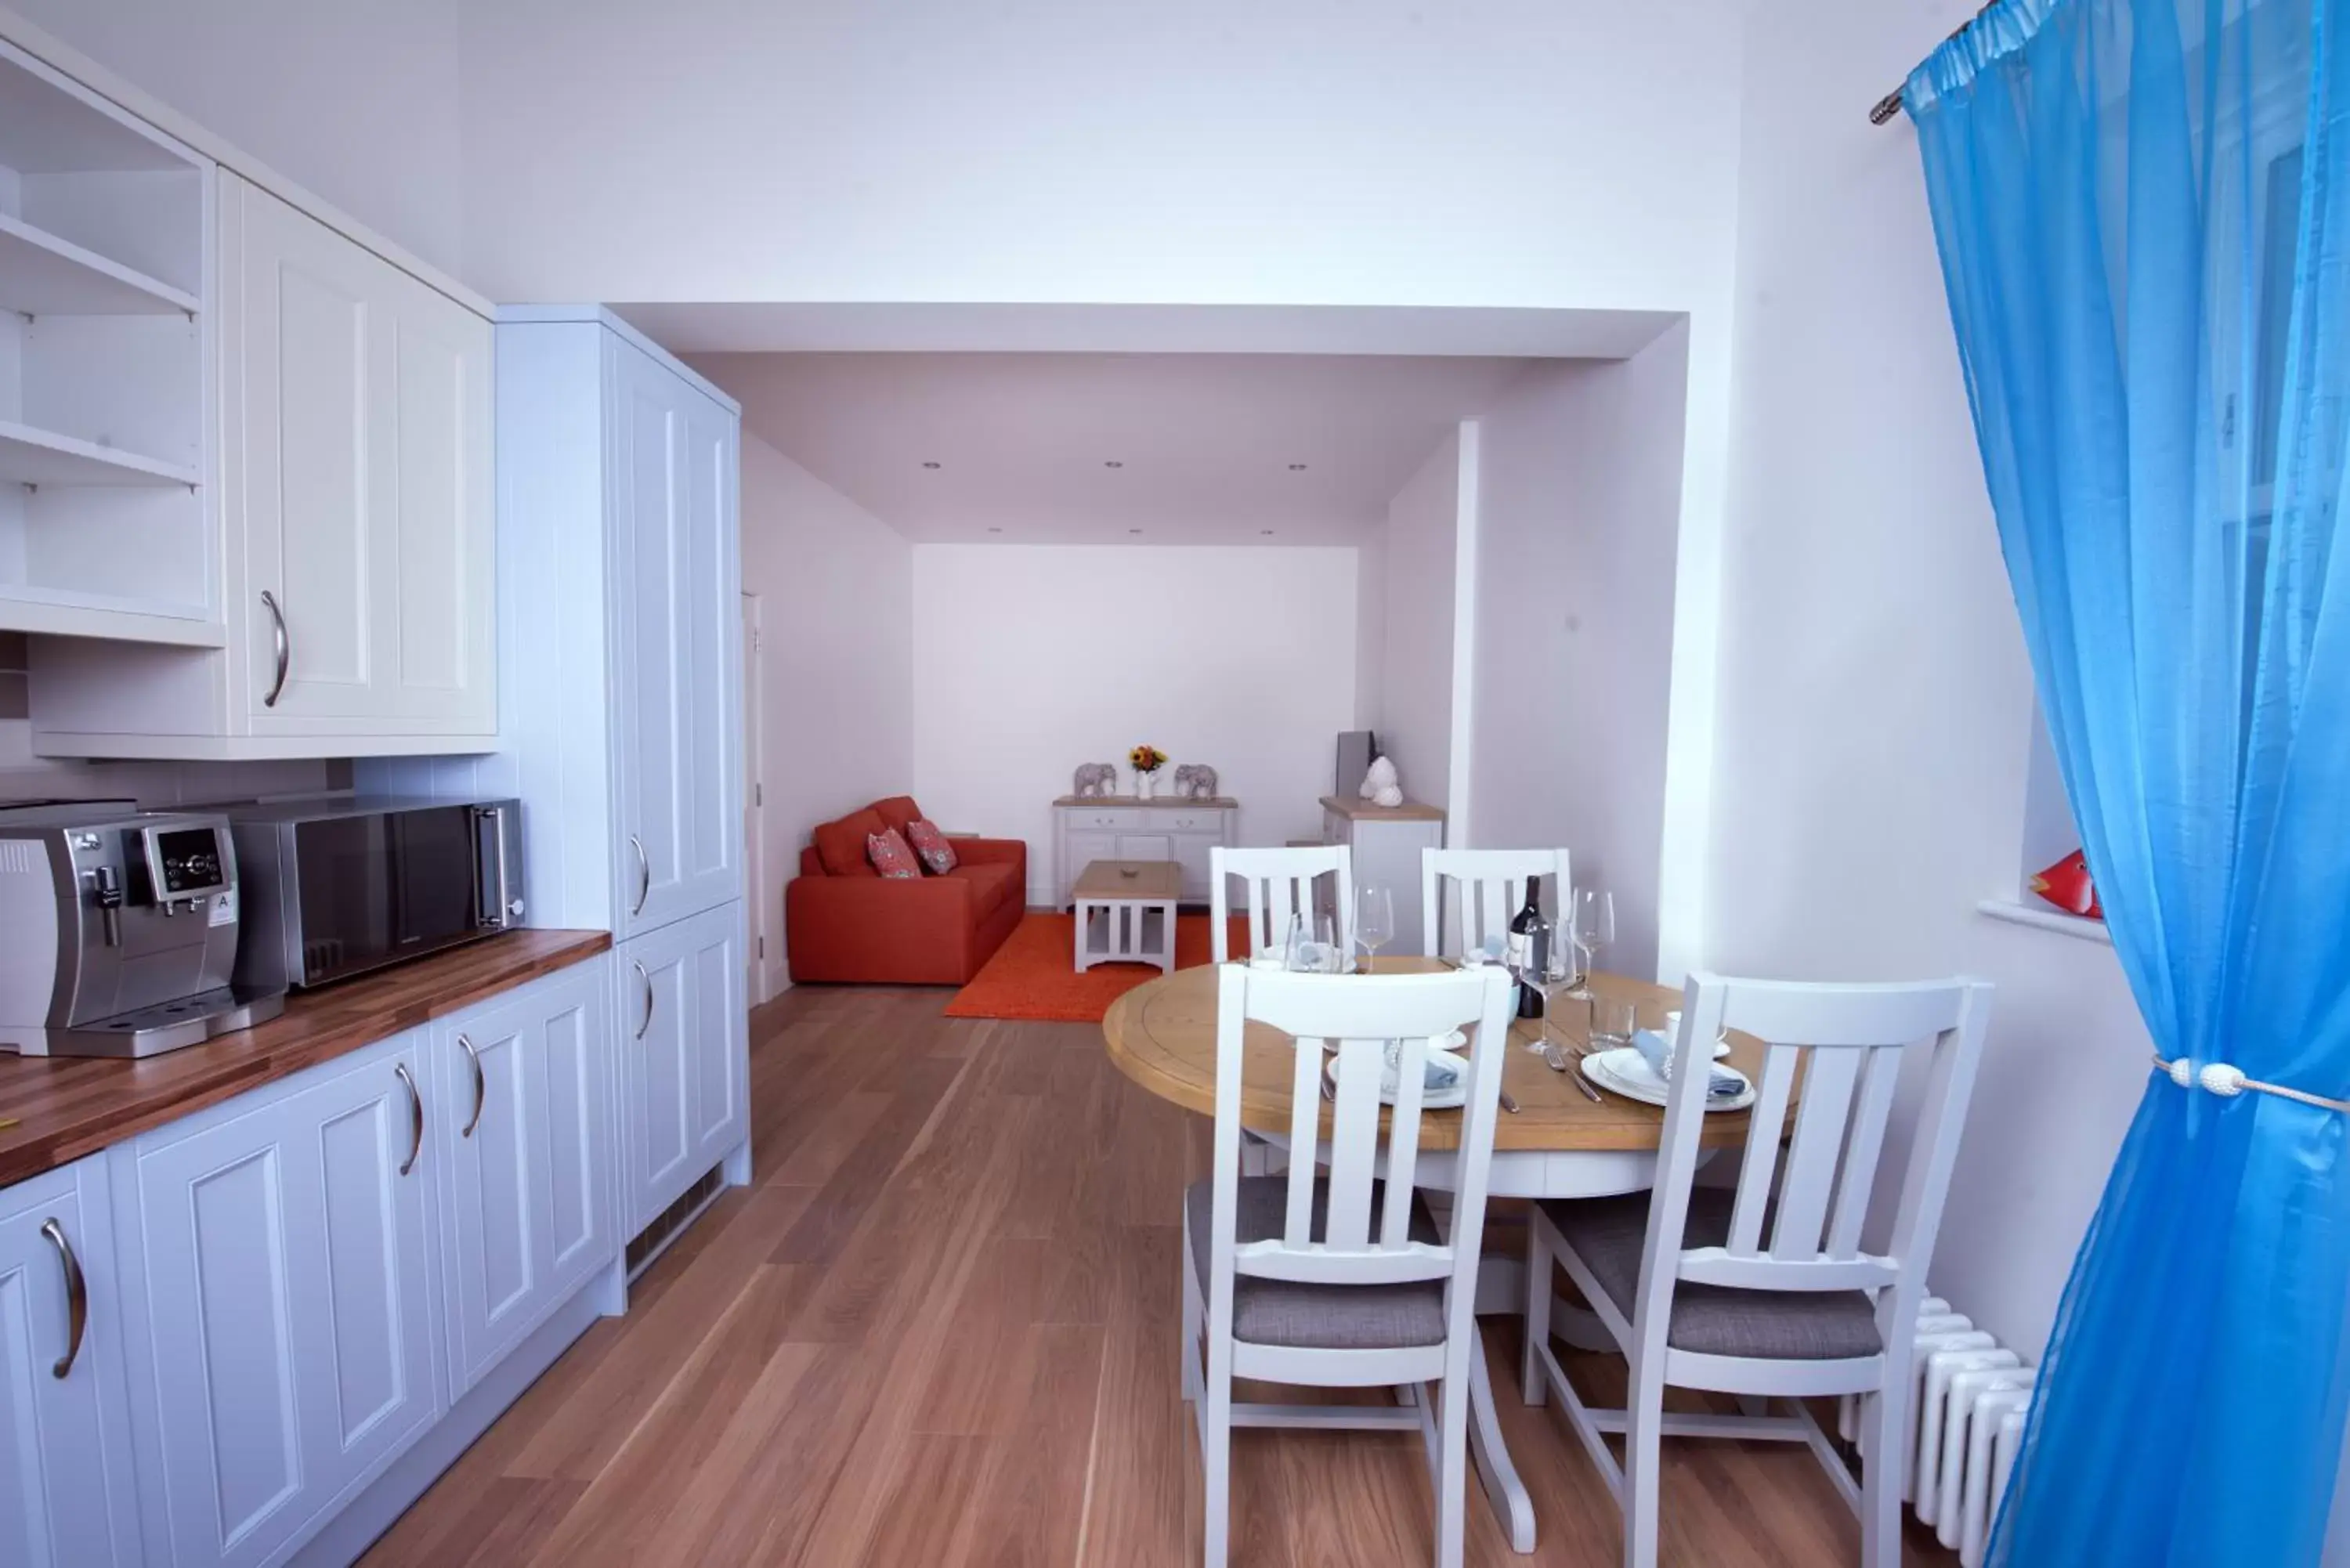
(1890, 105)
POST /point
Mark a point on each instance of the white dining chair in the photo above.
(1280, 885)
(1342, 1279)
(1487, 886)
(1767, 1293)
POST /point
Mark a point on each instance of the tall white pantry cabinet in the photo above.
(620, 664)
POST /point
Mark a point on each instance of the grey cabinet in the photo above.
(66, 1499)
(525, 1094)
(282, 1303)
(1120, 827)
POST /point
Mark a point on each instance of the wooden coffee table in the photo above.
(1135, 901)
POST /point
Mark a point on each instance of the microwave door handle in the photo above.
(490, 824)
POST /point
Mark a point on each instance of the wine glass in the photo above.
(1593, 929)
(1312, 947)
(1374, 921)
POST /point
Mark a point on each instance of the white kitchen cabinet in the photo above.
(1122, 827)
(684, 1046)
(678, 579)
(523, 1096)
(279, 1282)
(356, 515)
(66, 1493)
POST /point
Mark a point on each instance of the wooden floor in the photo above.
(941, 1330)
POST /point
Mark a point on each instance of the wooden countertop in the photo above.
(68, 1106)
(1362, 810)
(1156, 803)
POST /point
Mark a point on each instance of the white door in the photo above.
(64, 1500)
(676, 561)
(288, 1300)
(528, 1156)
(302, 344)
(755, 797)
(684, 1056)
(359, 486)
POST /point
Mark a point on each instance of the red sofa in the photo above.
(843, 920)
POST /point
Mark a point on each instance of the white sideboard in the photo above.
(1123, 827)
(1387, 842)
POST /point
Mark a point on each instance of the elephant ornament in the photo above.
(1195, 781)
(1095, 779)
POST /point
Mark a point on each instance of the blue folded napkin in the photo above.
(1656, 1050)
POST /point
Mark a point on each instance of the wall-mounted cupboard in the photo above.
(245, 458)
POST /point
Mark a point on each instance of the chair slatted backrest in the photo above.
(1280, 887)
(1795, 1224)
(1354, 1017)
(1488, 886)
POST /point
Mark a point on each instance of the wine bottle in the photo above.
(1530, 951)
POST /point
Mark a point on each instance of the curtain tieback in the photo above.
(2228, 1081)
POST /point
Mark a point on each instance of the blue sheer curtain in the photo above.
(2145, 227)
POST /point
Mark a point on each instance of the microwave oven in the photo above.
(337, 886)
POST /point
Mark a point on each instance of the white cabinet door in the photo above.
(359, 487)
(1079, 850)
(684, 1056)
(1191, 855)
(523, 1094)
(677, 571)
(66, 1499)
(286, 1297)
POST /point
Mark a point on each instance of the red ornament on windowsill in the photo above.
(2067, 885)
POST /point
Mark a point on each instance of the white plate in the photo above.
(1430, 1100)
(1624, 1071)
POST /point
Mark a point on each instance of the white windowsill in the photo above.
(2046, 919)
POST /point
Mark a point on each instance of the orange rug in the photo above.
(1034, 974)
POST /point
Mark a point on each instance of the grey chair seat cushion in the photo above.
(1608, 1234)
(1314, 1317)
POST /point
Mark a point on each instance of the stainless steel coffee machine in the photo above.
(117, 930)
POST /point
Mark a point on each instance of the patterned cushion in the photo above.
(1314, 1317)
(1608, 1234)
(890, 854)
(938, 855)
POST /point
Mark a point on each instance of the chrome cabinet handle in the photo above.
(647, 980)
(77, 1297)
(415, 1118)
(284, 642)
(644, 875)
(481, 1086)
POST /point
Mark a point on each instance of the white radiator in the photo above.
(1968, 1404)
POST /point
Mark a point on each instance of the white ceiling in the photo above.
(1023, 442)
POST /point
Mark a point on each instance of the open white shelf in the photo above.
(30, 456)
(42, 274)
(64, 612)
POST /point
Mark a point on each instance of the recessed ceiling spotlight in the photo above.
(1134, 530)
(1296, 468)
(1266, 531)
(1113, 463)
(930, 465)
(993, 529)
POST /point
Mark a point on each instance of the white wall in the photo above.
(1032, 658)
(1579, 495)
(1062, 149)
(1876, 702)
(836, 672)
(1414, 716)
(355, 100)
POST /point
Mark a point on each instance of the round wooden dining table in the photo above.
(1558, 1143)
